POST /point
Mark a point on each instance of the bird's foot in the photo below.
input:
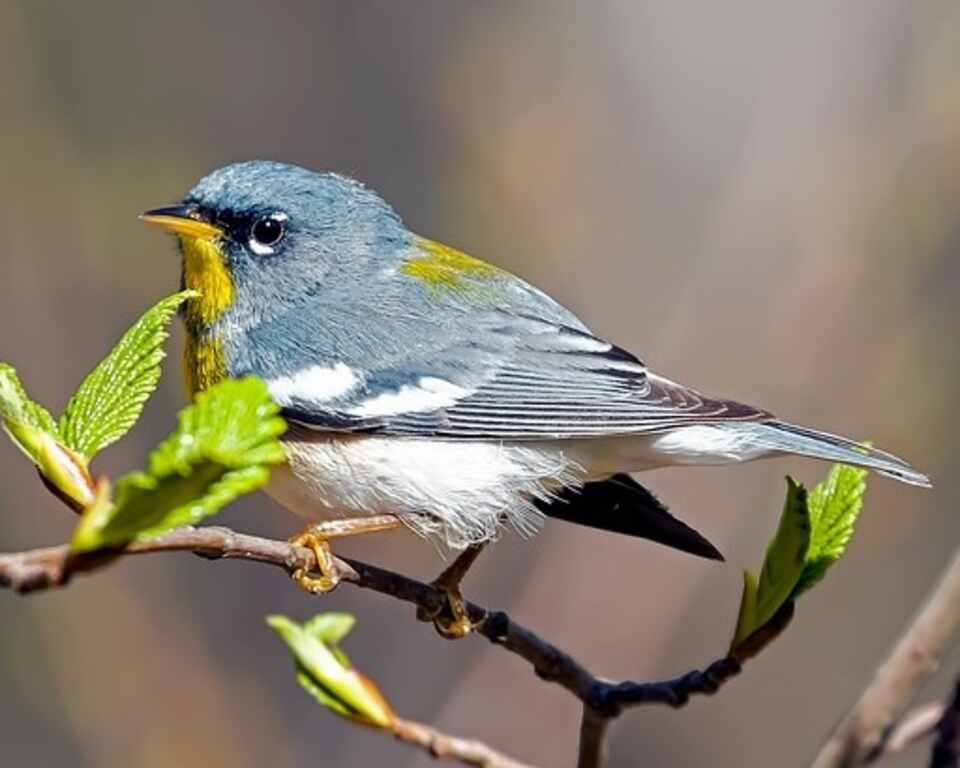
(451, 619)
(316, 537)
(329, 575)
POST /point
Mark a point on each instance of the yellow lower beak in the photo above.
(182, 220)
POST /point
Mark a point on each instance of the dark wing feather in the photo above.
(605, 393)
(329, 420)
(621, 505)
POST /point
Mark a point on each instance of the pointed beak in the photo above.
(183, 220)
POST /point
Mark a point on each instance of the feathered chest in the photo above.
(204, 271)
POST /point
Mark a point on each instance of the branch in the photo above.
(608, 700)
(593, 739)
(935, 718)
(444, 747)
(53, 567)
(860, 736)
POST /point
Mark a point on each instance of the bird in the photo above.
(428, 389)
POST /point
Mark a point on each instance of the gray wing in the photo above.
(508, 377)
(569, 385)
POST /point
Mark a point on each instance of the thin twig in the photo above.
(920, 723)
(53, 567)
(860, 735)
(593, 739)
(604, 701)
(445, 747)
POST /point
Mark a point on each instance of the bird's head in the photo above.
(258, 238)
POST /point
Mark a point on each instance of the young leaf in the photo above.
(747, 615)
(224, 447)
(330, 628)
(834, 507)
(324, 673)
(786, 555)
(111, 398)
(34, 432)
(782, 567)
(814, 531)
(24, 420)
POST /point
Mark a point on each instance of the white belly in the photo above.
(460, 491)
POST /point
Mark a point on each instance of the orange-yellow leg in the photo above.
(452, 621)
(317, 536)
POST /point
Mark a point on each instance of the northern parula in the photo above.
(427, 388)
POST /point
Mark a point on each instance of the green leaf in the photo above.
(34, 432)
(746, 617)
(786, 555)
(813, 533)
(224, 447)
(326, 675)
(24, 420)
(330, 628)
(328, 700)
(782, 566)
(111, 398)
(834, 506)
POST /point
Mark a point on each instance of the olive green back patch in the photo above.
(445, 268)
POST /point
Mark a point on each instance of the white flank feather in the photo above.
(461, 492)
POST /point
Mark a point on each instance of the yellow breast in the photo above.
(203, 363)
(205, 271)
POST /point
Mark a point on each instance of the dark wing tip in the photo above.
(621, 505)
(319, 420)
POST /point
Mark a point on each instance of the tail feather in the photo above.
(784, 437)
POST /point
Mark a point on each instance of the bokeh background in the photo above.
(761, 198)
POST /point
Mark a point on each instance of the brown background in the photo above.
(761, 198)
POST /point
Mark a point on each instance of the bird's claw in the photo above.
(329, 577)
(450, 619)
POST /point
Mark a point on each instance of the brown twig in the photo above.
(607, 700)
(860, 736)
(593, 739)
(602, 700)
(935, 718)
(445, 747)
(53, 567)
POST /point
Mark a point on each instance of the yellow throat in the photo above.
(204, 271)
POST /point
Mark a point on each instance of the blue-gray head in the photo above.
(260, 237)
(288, 262)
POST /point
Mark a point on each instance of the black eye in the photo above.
(267, 231)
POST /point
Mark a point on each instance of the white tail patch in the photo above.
(709, 444)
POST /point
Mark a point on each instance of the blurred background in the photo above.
(761, 199)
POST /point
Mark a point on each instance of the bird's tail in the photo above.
(621, 505)
(783, 437)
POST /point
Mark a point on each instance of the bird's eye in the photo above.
(267, 232)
